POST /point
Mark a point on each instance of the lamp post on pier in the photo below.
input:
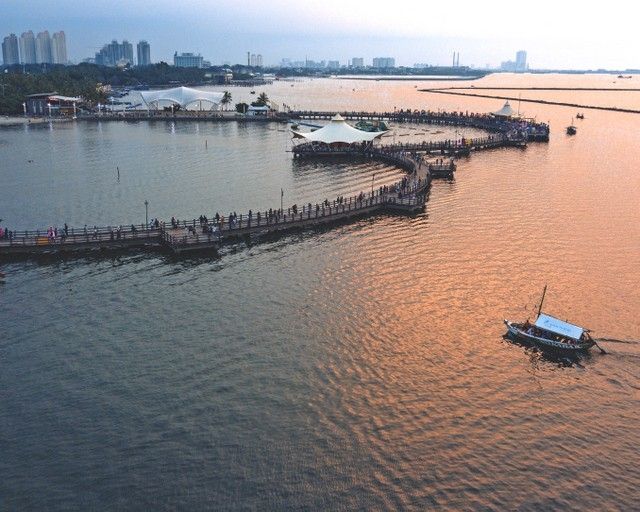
(146, 214)
(372, 180)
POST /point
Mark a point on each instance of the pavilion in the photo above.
(338, 135)
(505, 111)
(183, 96)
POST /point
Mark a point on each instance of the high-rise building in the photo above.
(10, 52)
(384, 62)
(43, 48)
(59, 48)
(27, 48)
(144, 53)
(357, 62)
(115, 54)
(259, 60)
(187, 60)
(521, 61)
(333, 64)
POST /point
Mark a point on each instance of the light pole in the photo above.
(372, 180)
(49, 105)
(24, 108)
(74, 110)
(99, 109)
(146, 214)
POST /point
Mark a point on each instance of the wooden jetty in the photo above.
(406, 197)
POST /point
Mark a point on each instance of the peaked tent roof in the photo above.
(338, 131)
(505, 111)
(183, 96)
(549, 323)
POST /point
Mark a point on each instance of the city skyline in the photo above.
(222, 33)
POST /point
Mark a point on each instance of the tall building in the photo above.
(27, 48)
(10, 53)
(43, 48)
(59, 48)
(115, 54)
(187, 60)
(259, 60)
(333, 64)
(384, 62)
(144, 54)
(521, 61)
(357, 62)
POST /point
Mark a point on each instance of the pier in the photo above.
(407, 196)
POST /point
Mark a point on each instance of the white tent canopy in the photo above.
(549, 323)
(182, 96)
(338, 131)
(505, 111)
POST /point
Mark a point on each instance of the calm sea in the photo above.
(357, 367)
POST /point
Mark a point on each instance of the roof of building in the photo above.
(183, 96)
(550, 323)
(42, 94)
(338, 131)
(505, 111)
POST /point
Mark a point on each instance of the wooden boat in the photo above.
(579, 116)
(551, 333)
(571, 129)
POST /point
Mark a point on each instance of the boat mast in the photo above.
(542, 299)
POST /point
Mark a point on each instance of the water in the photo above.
(355, 367)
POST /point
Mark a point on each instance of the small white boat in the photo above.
(548, 332)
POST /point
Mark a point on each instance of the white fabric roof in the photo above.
(549, 323)
(505, 111)
(338, 131)
(183, 96)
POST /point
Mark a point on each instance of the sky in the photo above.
(556, 34)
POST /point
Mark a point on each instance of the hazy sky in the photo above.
(556, 34)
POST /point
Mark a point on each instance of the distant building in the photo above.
(420, 65)
(144, 53)
(187, 60)
(10, 52)
(59, 48)
(333, 64)
(27, 48)
(259, 60)
(115, 54)
(384, 62)
(521, 61)
(44, 55)
(357, 62)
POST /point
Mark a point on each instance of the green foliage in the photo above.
(261, 101)
(242, 107)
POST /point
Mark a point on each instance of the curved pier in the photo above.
(406, 196)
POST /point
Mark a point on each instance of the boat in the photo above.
(253, 92)
(551, 333)
(579, 116)
(571, 129)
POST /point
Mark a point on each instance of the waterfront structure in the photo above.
(505, 111)
(338, 133)
(187, 60)
(10, 52)
(51, 104)
(115, 54)
(44, 54)
(59, 48)
(384, 62)
(144, 53)
(183, 96)
(27, 48)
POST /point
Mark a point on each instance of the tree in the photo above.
(242, 108)
(262, 100)
(226, 99)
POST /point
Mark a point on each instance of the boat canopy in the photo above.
(549, 323)
(338, 131)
